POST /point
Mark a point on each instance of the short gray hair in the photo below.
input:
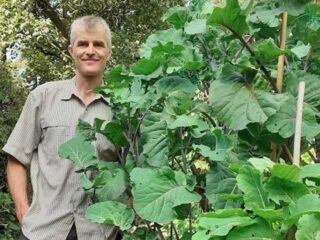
(88, 24)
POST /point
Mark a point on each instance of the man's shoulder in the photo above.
(51, 86)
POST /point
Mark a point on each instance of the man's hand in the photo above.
(21, 211)
(17, 182)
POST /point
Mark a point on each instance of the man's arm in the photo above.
(17, 181)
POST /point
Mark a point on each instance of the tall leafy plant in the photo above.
(194, 120)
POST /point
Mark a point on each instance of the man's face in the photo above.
(90, 53)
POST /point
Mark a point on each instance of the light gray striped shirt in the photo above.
(48, 119)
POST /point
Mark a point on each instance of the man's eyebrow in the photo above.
(82, 41)
(99, 42)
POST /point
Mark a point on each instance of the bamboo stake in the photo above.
(279, 84)
(283, 38)
(297, 136)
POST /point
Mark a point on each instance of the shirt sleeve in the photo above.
(25, 137)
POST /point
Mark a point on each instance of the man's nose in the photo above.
(90, 49)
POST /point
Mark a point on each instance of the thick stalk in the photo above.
(262, 67)
(283, 36)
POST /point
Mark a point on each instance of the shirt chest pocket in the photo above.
(53, 135)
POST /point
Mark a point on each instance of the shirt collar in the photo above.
(71, 90)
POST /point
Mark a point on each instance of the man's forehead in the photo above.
(90, 36)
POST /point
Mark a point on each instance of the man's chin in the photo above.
(91, 74)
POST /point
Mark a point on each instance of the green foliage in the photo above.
(12, 97)
(195, 118)
(8, 226)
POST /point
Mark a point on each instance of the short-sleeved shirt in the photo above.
(48, 119)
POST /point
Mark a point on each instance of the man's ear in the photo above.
(70, 50)
(108, 56)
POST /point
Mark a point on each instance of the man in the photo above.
(48, 119)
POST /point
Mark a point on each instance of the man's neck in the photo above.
(84, 84)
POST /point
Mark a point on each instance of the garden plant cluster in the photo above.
(196, 121)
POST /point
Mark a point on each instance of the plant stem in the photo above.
(183, 170)
(312, 156)
(209, 118)
(183, 153)
(175, 231)
(159, 231)
(288, 153)
(241, 49)
(308, 58)
(190, 219)
(212, 63)
(263, 69)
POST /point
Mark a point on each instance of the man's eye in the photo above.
(99, 44)
(82, 44)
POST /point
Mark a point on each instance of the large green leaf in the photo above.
(186, 121)
(219, 223)
(236, 104)
(269, 214)
(115, 183)
(307, 26)
(307, 204)
(178, 103)
(312, 81)
(195, 26)
(262, 164)
(255, 140)
(86, 131)
(79, 151)
(220, 180)
(223, 145)
(261, 230)
(269, 14)
(111, 213)
(308, 227)
(168, 49)
(284, 190)
(163, 37)
(156, 193)
(230, 17)
(112, 130)
(117, 78)
(266, 50)
(250, 182)
(168, 85)
(177, 16)
(155, 140)
(293, 7)
(310, 171)
(287, 172)
(263, 14)
(283, 122)
(301, 50)
(147, 68)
